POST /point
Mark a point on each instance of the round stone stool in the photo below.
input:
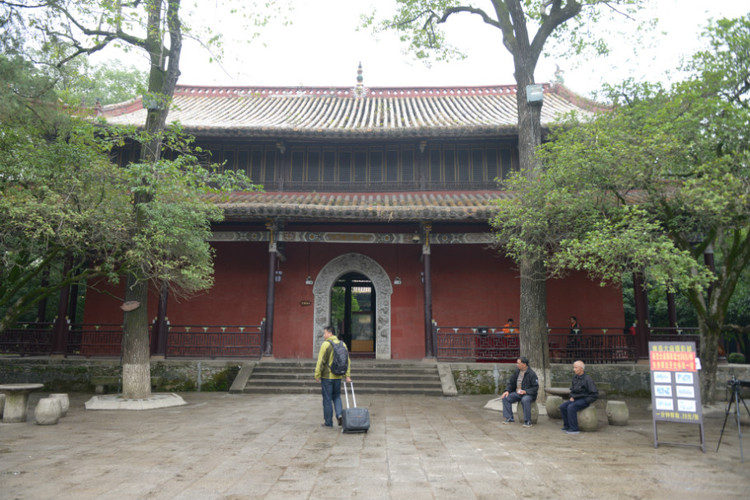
(588, 419)
(617, 413)
(534, 412)
(553, 406)
(64, 402)
(48, 411)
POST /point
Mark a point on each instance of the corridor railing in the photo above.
(591, 345)
(105, 340)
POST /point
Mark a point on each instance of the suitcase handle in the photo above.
(346, 394)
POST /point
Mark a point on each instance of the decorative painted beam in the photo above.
(344, 237)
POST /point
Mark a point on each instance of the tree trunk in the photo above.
(136, 353)
(709, 353)
(163, 75)
(533, 320)
(533, 332)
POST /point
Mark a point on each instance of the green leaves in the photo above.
(650, 185)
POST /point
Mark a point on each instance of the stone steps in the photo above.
(369, 376)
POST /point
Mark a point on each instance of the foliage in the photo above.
(736, 357)
(61, 197)
(422, 24)
(652, 185)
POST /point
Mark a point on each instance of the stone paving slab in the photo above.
(231, 447)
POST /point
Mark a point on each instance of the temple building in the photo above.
(373, 217)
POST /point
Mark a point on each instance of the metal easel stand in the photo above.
(736, 398)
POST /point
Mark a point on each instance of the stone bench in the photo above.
(553, 406)
(588, 418)
(534, 412)
(103, 383)
(617, 412)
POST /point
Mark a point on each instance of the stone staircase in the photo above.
(369, 377)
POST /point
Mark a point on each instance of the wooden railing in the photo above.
(27, 339)
(591, 345)
(202, 341)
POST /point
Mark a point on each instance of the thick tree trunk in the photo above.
(709, 353)
(533, 332)
(533, 326)
(163, 75)
(136, 364)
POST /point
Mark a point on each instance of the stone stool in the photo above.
(617, 413)
(553, 407)
(588, 419)
(48, 411)
(64, 402)
(534, 412)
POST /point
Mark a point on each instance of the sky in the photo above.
(322, 47)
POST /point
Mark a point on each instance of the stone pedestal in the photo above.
(553, 406)
(588, 419)
(617, 413)
(48, 411)
(64, 402)
(534, 412)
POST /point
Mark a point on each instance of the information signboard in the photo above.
(675, 385)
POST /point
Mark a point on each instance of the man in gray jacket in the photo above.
(522, 386)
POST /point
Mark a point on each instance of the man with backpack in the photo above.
(333, 365)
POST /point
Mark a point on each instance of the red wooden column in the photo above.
(427, 273)
(266, 341)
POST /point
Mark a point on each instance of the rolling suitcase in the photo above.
(354, 419)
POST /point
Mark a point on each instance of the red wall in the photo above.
(472, 286)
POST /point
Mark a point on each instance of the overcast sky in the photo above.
(323, 48)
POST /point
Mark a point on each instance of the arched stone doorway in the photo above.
(354, 262)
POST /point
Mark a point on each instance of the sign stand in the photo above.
(675, 386)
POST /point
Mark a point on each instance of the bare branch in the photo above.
(472, 10)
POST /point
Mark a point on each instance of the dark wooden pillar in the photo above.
(642, 335)
(73, 307)
(161, 329)
(267, 336)
(41, 311)
(427, 273)
(60, 329)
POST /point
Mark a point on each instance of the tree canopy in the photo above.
(653, 185)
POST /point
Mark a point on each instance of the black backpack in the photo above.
(340, 362)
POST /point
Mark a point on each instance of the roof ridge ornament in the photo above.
(359, 89)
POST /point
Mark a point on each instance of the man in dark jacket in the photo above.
(582, 393)
(522, 386)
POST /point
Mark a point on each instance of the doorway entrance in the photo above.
(353, 313)
(381, 287)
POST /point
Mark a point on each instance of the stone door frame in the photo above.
(331, 272)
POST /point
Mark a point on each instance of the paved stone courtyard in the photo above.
(222, 446)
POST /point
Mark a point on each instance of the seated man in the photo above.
(522, 386)
(582, 393)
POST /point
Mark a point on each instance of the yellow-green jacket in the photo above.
(325, 358)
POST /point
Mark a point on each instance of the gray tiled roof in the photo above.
(338, 112)
(369, 207)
